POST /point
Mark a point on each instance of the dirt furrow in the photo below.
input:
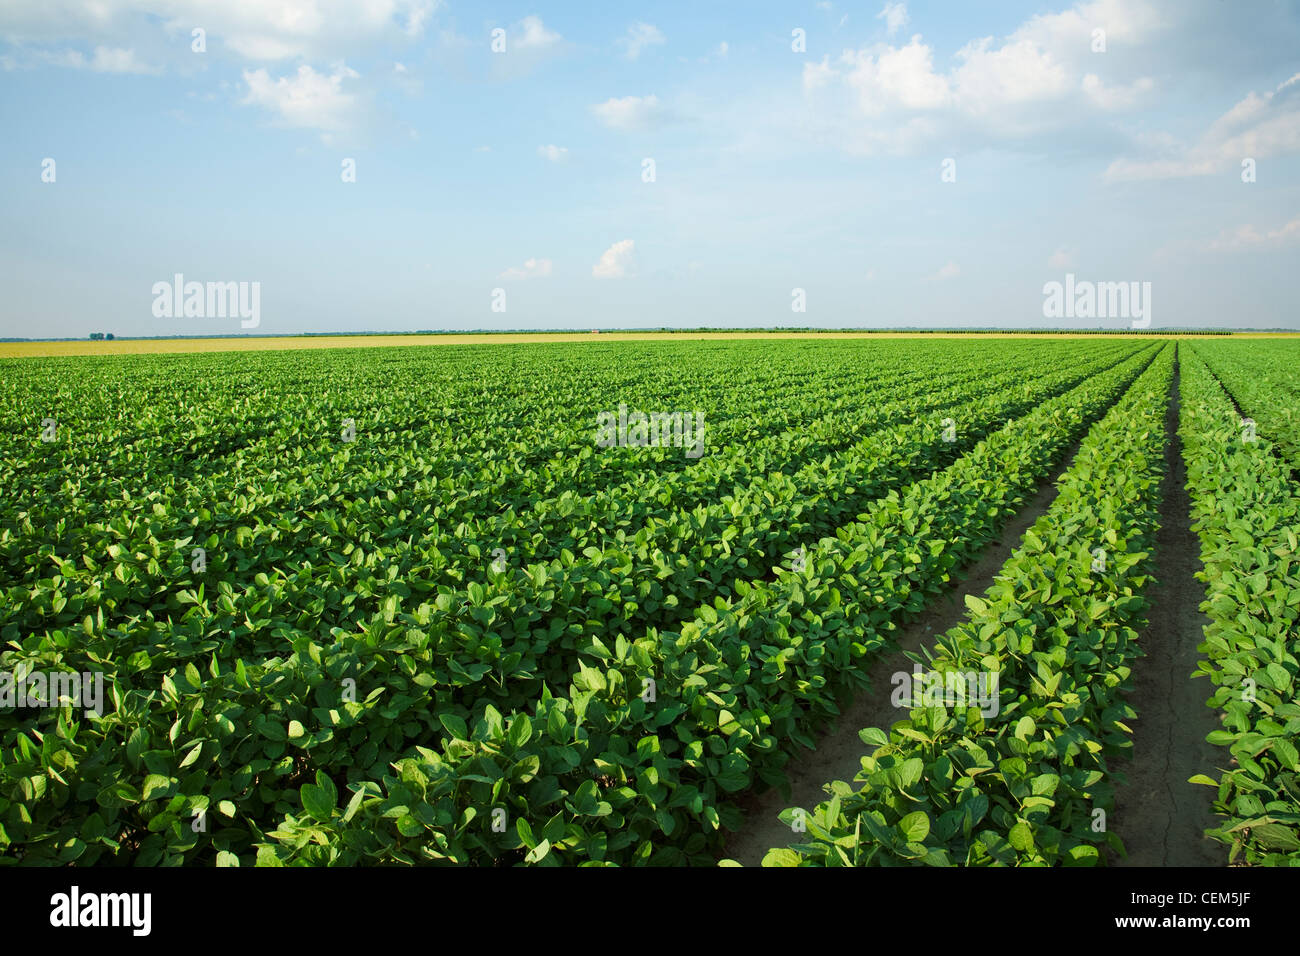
(1159, 815)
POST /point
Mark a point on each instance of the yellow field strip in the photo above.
(280, 343)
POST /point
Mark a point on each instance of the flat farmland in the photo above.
(41, 349)
(626, 599)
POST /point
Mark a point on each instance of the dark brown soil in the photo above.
(1159, 815)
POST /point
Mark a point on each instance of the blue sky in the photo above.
(775, 168)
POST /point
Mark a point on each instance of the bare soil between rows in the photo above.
(1160, 817)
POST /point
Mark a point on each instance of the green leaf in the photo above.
(316, 801)
(915, 827)
(781, 857)
(1276, 837)
(155, 786)
(136, 745)
(1286, 754)
(1021, 836)
(454, 726)
(521, 731)
(873, 737)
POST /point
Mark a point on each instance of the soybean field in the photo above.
(958, 601)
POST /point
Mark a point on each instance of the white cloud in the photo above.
(254, 29)
(531, 269)
(308, 100)
(902, 78)
(950, 270)
(639, 36)
(895, 17)
(719, 52)
(105, 60)
(1255, 128)
(630, 112)
(535, 36)
(615, 261)
(552, 152)
(1249, 236)
(892, 97)
(991, 79)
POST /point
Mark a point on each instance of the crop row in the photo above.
(1028, 784)
(489, 636)
(1264, 385)
(1247, 514)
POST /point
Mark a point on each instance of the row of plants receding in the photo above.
(497, 640)
(278, 520)
(1028, 785)
(1264, 385)
(235, 738)
(474, 645)
(606, 775)
(1246, 511)
(472, 422)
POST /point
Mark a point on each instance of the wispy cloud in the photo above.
(1250, 237)
(895, 17)
(104, 60)
(553, 153)
(1256, 127)
(631, 112)
(638, 37)
(531, 34)
(531, 269)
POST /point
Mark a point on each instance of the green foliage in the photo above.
(350, 680)
(1247, 514)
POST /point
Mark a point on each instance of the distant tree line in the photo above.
(101, 336)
